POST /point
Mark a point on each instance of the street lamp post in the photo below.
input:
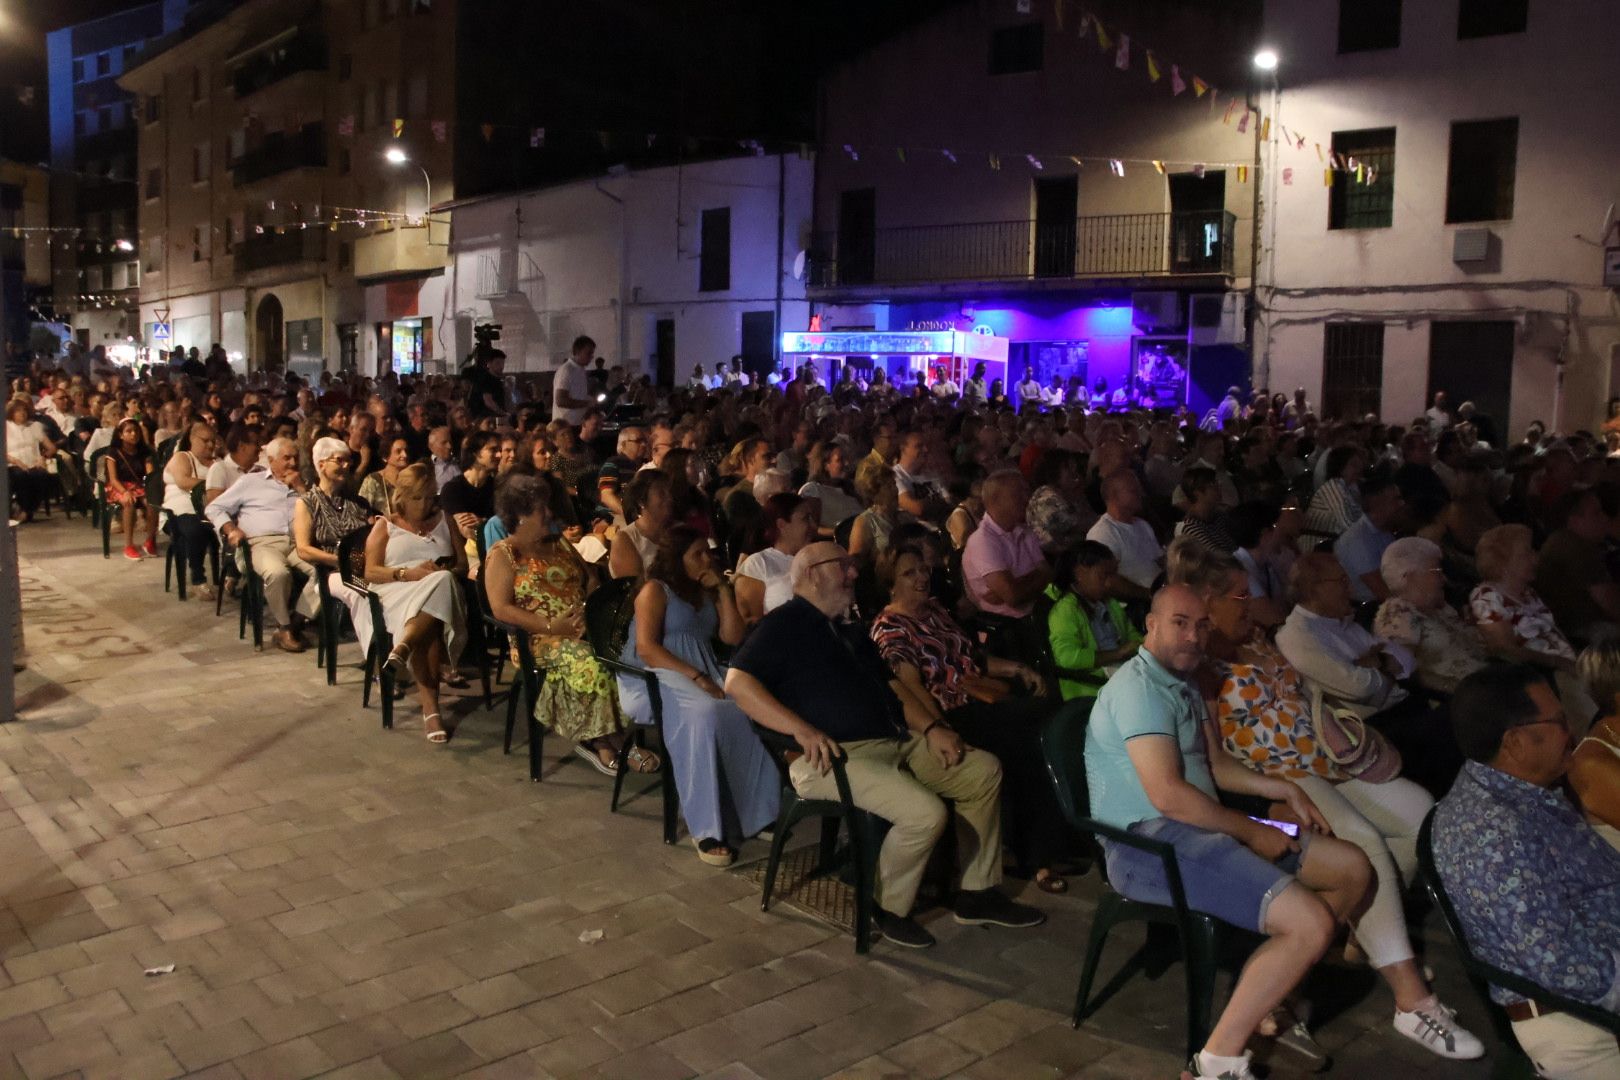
(1265, 61)
(397, 156)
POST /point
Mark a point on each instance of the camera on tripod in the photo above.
(485, 334)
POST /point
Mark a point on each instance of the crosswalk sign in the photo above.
(160, 331)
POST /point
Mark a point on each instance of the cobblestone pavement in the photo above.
(341, 900)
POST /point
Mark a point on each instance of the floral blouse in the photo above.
(933, 644)
(1447, 648)
(1265, 716)
(1054, 519)
(1532, 621)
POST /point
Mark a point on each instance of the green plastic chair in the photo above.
(98, 508)
(1198, 935)
(1482, 974)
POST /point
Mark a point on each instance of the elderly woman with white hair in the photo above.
(1416, 615)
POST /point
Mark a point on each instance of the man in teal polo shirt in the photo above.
(1151, 771)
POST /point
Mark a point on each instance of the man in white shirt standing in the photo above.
(1131, 539)
(1439, 415)
(570, 386)
(944, 387)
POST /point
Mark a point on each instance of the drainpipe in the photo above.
(624, 263)
(1257, 363)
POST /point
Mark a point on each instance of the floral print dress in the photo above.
(1265, 716)
(578, 699)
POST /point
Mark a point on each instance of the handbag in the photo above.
(1356, 749)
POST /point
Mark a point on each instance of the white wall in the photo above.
(1555, 78)
(611, 257)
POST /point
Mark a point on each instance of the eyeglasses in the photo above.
(847, 561)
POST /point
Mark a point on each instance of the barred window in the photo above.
(1352, 369)
(1355, 204)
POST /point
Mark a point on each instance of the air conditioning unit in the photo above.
(1470, 245)
(1156, 312)
(1216, 318)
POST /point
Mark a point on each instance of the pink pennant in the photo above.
(1177, 86)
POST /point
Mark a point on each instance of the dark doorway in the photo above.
(857, 236)
(664, 343)
(1197, 222)
(1057, 209)
(1473, 361)
(269, 335)
(758, 344)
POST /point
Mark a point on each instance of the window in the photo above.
(199, 85)
(103, 64)
(154, 108)
(109, 117)
(1479, 178)
(129, 56)
(78, 70)
(231, 237)
(1017, 48)
(132, 274)
(92, 278)
(199, 237)
(416, 97)
(1352, 369)
(237, 145)
(344, 255)
(1365, 25)
(1488, 18)
(199, 163)
(343, 162)
(345, 67)
(1353, 204)
(714, 251)
(154, 254)
(154, 183)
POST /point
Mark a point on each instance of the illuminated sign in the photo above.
(869, 343)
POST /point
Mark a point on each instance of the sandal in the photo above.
(1049, 882)
(437, 738)
(454, 680)
(398, 657)
(643, 761)
(594, 759)
(709, 850)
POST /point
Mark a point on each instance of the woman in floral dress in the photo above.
(537, 582)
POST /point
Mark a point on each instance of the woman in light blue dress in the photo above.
(728, 785)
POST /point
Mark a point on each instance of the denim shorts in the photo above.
(1220, 876)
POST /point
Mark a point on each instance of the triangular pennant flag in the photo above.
(995, 161)
(1159, 167)
(900, 152)
(1117, 166)
(1265, 130)
(1078, 163)
(850, 150)
(440, 130)
(1177, 86)
(950, 157)
(345, 126)
(1300, 144)
(488, 131)
(399, 127)
(1085, 24)
(537, 138)
(1327, 177)
(1057, 11)
(1199, 86)
(1231, 106)
(1288, 177)
(1243, 122)
(1361, 175)
(1198, 170)
(1318, 151)
(1243, 174)
(1122, 55)
(1034, 162)
(1152, 67)
(1103, 41)
(1372, 174)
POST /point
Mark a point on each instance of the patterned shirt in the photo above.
(1536, 890)
(1265, 716)
(1531, 619)
(933, 644)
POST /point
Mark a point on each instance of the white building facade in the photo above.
(1472, 260)
(665, 269)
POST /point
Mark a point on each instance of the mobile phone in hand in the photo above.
(1287, 827)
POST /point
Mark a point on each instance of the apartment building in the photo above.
(995, 168)
(1474, 263)
(93, 133)
(268, 207)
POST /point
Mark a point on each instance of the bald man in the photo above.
(1153, 765)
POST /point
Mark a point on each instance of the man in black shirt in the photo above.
(807, 673)
(486, 391)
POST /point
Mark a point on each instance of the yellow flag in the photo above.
(1152, 67)
(399, 127)
(1265, 130)
(1327, 177)
(1159, 165)
(1243, 174)
(1319, 156)
(1103, 42)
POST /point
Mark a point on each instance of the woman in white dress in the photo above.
(413, 564)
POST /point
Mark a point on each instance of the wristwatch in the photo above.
(399, 573)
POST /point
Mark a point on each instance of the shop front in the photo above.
(901, 355)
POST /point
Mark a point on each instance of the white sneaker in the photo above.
(1197, 1069)
(1436, 1030)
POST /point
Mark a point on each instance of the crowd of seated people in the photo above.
(921, 583)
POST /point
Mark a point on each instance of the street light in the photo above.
(396, 156)
(1266, 60)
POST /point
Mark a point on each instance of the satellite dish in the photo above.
(798, 266)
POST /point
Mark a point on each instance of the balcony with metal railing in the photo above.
(302, 50)
(1109, 246)
(280, 152)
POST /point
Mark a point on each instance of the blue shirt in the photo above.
(1360, 550)
(1536, 890)
(1143, 698)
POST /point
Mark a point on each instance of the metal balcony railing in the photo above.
(279, 152)
(305, 52)
(1106, 246)
(260, 251)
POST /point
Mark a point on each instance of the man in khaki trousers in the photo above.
(806, 673)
